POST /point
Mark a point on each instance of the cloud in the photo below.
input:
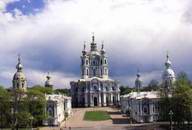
(136, 34)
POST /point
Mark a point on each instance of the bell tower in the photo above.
(19, 79)
(168, 77)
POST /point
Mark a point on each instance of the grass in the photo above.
(96, 116)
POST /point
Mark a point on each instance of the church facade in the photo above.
(94, 88)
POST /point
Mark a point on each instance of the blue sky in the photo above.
(27, 7)
(49, 35)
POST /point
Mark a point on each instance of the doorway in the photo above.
(95, 101)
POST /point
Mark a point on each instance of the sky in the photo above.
(49, 35)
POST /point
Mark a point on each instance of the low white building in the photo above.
(58, 108)
(144, 106)
(141, 106)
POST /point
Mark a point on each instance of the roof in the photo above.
(56, 97)
(141, 95)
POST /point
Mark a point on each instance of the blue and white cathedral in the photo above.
(94, 88)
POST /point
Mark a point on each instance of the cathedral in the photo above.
(94, 88)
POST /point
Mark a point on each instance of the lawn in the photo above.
(96, 116)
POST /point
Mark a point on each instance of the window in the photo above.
(23, 85)
(17, 84)
(94, 62)
(101, 62)
(105, 61)
(101, 71)
(87, 72)
(87, 62)
(50, 112)
(94, 72)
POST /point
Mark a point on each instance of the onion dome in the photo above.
(19, 74)
(168, 72)
(48, 82)
(138, 81)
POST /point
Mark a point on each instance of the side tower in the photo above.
(138, 82)
(168, 78)
(19, 79)
(104, 69)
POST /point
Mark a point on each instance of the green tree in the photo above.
(180, 102)
(125, 90)
(23, 119)
(42, 89)
(63, 91)
(5, 107)
(36, 104)
(153, 85)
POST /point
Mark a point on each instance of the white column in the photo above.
(91, 100)
(118, 98)
(99, 95)
(111, 99)
(55, 114)
(86, 101)
(104, 99)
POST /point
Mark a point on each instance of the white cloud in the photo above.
(35, 77)
(146, 77)
(138, 31)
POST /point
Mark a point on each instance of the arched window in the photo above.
(101, 61)
(17, 84)
(105, 61)
(23, 85)
(94, 72)
(50, 112)
(94, 62)
(87, 62)
(95, 88)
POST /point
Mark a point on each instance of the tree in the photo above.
(180, 102)
(153, 85)
(36, 104)
(125, 90)
(42, 89)
(23, 119)
(5, 107)
(63, 91)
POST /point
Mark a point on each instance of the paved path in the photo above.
(117, 122)
(78, 114)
